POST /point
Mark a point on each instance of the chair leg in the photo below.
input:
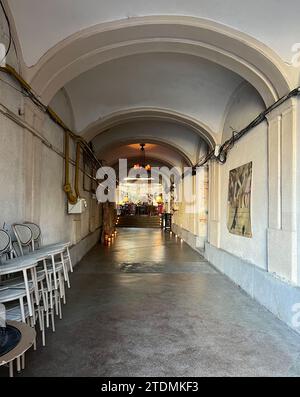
(62, 288)
(43, 328)
(32, 325)
(66, 274)
(47, 317)
(11, 369)
(22, 310)
(61, 285)
(54, 271)
(44, 298)
(18, 364)
(33, 313)
(56, 298)
(40, 318)
(60, 311)
(51, 292)
(69, 259)
(23, 361)
(53, 320)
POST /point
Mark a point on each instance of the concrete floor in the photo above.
(151, 306)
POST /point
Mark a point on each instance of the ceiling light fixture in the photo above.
(138, 166)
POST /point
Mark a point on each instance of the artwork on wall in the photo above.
(239, 201)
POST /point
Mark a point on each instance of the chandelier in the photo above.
(144, 165)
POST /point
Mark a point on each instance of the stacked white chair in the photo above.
(13, 296)
(42, 298)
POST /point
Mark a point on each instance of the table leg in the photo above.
(35, 284)
(11, 369)
(30, 309)
(66, 275)
(46, 274)
(54, 271)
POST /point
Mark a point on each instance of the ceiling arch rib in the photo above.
(234, 50)
(150, 114)
(177, 142)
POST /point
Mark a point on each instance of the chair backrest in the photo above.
(4, 241)
(5, 244)
(6, 248)
(24, 237)
(36, 233)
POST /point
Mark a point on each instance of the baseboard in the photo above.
(84, 246)
(278, 296)
(194, 241)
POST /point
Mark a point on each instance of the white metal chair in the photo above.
(36, 234)
(38, 243)
(6, 249)
(24, 238)
(51, 273)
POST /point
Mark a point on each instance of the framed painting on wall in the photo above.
(239, 201)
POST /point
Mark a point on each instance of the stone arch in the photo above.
(93, 46)
(146, 114)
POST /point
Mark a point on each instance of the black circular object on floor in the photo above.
(9, 338)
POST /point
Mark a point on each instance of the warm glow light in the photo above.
(138, 179)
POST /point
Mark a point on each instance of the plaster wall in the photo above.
(253, 147)
(32, 175)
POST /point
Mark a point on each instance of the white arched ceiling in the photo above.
(150, 114)
(274, 23)
(237, 52)
(189, 85)
(112, 57)
(175, 139)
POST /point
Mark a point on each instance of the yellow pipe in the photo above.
(78, 148)
(80, 141)
(10, 70)
(67, 187)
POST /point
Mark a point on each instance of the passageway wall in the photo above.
(32, 173)
(244, 106)
(265, 265)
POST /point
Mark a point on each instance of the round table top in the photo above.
(18, 264)
(28, 336)
(11, 293)
(30, 260)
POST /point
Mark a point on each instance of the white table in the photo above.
(29, 262)
(22, 264)
(28, 336)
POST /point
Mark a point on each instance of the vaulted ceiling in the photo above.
(163, 71)
(177, 82)
(275, 23)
